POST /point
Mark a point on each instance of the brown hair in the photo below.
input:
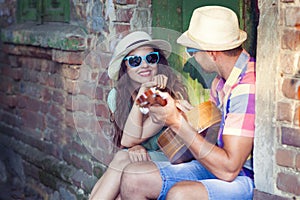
(233, 52)
(124, 99)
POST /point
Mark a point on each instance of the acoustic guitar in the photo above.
(205, 118)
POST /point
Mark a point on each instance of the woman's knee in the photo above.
(120, 160)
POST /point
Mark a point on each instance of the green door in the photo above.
(175, 15)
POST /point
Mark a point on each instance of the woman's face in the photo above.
(144, 72)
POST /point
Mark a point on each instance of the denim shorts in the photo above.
(240, 188)
(157, 156)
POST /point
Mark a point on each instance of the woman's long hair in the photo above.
(124, 100)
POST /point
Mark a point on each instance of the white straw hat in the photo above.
(213, 28)
(130, 42)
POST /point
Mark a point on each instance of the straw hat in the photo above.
(213, 28)
(130, 42)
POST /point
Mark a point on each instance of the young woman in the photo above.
(138, 63)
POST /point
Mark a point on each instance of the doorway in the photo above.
(175, 15)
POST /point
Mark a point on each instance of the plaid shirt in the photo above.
(236, 98)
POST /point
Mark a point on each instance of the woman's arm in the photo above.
(136, 130)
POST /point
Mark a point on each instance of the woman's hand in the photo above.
(138, 153)
(160, 81)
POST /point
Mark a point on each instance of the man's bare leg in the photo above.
(140, 180)
(108, 186)
(187, 190)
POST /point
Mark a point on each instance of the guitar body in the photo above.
(205, 119)
(173, 147)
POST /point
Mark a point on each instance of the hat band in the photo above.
(136, 42)
(200, 41)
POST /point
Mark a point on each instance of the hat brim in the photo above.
(115, 64)
(186, 41)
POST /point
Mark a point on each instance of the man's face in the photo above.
(206, 61)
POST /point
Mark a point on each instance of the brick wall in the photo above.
(278, 133)
(54, 120)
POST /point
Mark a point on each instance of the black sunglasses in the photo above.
(135, 61)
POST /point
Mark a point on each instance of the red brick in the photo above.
(120, 28)
(13, 61)
(102, 111)
(81, 163)
(288, 183)
(9, 101)
(56, 112)
(290, 136)
(30, 63)
(49, 66)
(58, 97)
(71, 71)
(6, 85)
(46, 94)
(99, 93)
(42, 78)
(124, 15)
(33, 120)
(285, 157)
(289, 89)
(259, 195)
(291, 40)
(287, 1)
(31, 104)
(28, 51)
(298, 161)
(55, 81)
(68, 57)
(104, 79)
(284, 111)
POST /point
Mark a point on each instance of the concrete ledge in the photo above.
(52, 35)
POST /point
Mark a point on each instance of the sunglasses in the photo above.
(135, 61)
(190, 51)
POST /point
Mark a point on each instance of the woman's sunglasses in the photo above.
(135, 61)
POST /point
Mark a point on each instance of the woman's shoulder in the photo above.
(111, 100)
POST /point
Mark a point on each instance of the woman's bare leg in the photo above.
(141, 180)
(108, 186)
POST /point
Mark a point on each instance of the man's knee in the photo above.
(187, 190)
(176, 192)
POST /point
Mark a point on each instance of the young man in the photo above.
(224, 170)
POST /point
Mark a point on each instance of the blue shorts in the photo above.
(241, 188)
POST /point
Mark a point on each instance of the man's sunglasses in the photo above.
(135, 61)
(190, 51)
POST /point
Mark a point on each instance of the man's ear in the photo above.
(213, 54)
